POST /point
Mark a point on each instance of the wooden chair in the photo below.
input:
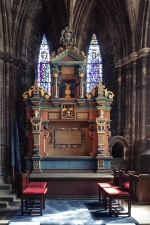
(31, 193)
(115, 184)
(122, 193)
(34, 183)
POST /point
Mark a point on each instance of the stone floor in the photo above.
(141, 214)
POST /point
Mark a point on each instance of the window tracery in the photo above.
(44, 74)
(94, 64)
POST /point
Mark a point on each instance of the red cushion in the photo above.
(126, 184)
(37, 184)
(32, 190)
(107, 185)
(115, 191)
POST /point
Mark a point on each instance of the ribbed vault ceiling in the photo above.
(113, 21)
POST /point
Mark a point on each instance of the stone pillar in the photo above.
(126, 131)
(55, 75)
(81, 85)
(143, 55)
(133, 59)
(4, 121)
(142, 141)
(119, 68)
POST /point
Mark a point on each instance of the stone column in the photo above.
(119, 68)
(81, 85)
(126, 131)
(133, 58)
(55, 75)
(143, 53)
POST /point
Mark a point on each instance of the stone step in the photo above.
(7, 197)
(5, 186)
(4, 204)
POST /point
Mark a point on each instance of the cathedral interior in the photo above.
(122, 30)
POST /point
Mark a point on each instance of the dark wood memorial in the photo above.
(68, 130)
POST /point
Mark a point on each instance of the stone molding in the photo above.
(132, 58)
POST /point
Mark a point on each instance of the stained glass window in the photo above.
(44, 75)
(94, 64)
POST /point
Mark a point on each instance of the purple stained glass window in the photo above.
(44, 75)
(94, 64)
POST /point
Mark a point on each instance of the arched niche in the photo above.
(117, 147)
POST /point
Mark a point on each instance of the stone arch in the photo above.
(121, 143)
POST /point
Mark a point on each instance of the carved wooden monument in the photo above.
(68, 129)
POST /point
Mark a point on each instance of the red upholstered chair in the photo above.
(122, 193)
(115, 184)
(31, 193)
(34, 183)
(115, 193)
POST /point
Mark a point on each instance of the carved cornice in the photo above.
(8, 57)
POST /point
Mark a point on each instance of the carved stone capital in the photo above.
(119, 64)
(125, 61)
(133, 57)
(144, 52)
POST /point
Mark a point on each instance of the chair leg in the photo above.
(41, 205)
(129, 206)
(21, 206)
(110, 207)
(43, 201)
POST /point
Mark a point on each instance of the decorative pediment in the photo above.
(68, 55)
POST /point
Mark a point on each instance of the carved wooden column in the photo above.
(119, 68)
(81, 85)
(55, 75)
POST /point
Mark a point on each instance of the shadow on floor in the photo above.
(71, 212)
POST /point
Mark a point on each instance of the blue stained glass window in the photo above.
(44, 75)
(94, 64)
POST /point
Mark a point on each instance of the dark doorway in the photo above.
(118, 150)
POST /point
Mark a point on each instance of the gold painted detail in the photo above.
(100, 164)
(95, 89)
(81, 74)
(36, 164)
(107, 93)
(67, 90)
(42, 93)
(28, 93)
(55, 74)
(68, 111)
(92, 93)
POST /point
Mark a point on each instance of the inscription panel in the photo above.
(68, 137)
(82, 116)
(53, 115)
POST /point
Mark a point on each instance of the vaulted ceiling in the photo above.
(116, 24)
